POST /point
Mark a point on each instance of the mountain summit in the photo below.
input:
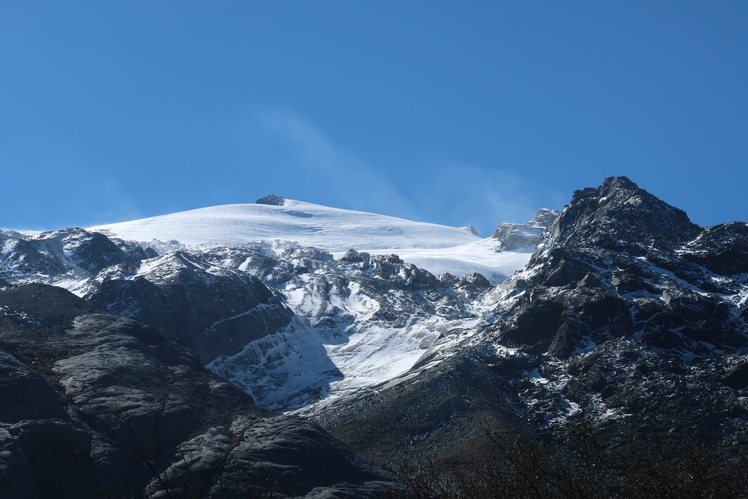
(277, 218)
(273, 219)
(272, 200)
(156, 349)
(619, 212)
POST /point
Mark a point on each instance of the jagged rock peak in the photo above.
(544, 218)
(272, 199)
(619, 213)
(517, 236)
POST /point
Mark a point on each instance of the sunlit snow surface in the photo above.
(330, 229)
(433, 247)
(305, 364)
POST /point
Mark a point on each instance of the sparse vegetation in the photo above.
(582, 462)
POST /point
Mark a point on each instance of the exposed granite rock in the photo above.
(99, 404)
(627, 313)
(215, 311)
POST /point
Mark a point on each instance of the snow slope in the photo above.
(436, 248)
(330, 229)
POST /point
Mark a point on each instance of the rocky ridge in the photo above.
(627, 314)
(620, 317)
(95, 404)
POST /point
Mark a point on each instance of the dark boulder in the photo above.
(737, 377)
(272, 199)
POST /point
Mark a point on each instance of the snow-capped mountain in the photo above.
(276, 218)
(433, 247)
(343, 311)
(361, 316)
(403, 338)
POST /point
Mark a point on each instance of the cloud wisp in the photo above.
(476, 196)
(349, 178)
(120, 206)
(450, 193)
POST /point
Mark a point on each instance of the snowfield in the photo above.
(436, 248)
(329, 229)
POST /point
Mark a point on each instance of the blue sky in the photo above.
(471, 112)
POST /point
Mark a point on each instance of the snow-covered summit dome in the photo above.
(434, 247)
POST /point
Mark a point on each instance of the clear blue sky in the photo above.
(469, 112)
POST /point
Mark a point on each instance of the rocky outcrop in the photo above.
(627, 313)
(518, 236)
(619, 261)
(67, 254)
(723, 249)
(213, 310)
(619, 214)
(98, 404)
(272, 199)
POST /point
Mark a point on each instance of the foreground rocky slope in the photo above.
(98, 405)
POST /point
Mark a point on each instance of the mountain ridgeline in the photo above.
(288, 349)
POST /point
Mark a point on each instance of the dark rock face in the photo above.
(441, 420)
(43, 305)
(619, 214)
(737, 377)
(93, 251)
(723, 249)
(615, 265)
(214, 311)
(627, 313)
(272, 199)
(625, 299)
(98, 404)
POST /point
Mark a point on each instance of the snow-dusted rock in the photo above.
(521, 236)
(212, 309)
(627, 313)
